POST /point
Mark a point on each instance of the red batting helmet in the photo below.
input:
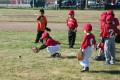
(109, 18)
(45, 34)
(103, 18)
(71, 12)
(103, 13)
(110, 12)
(87, 27)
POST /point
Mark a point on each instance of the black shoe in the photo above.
(70, 46)
(85, 69)
(35, 42)
(56, 55)
(99, 58)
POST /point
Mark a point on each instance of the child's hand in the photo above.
(95, 47)
(81, 50)
(75, 30)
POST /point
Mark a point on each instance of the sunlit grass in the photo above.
(39, 66)
(52, 15)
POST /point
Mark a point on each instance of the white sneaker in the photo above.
(112, 62)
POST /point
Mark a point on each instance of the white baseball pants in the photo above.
(52, 49)
(87, 55)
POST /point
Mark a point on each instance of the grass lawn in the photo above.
(52, 15)
(39, 66)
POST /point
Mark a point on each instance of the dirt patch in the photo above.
(27, 16)
(31, 26)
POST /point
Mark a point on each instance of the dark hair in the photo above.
(42, 11)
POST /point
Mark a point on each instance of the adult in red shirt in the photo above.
(86, 46)
(52, 45)
(72, 28)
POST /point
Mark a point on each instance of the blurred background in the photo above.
(62, 4)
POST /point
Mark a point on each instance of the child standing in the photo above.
(86, 47)
(51, 45)
(72, 28)
(42, 23)
(109, 41)
(115, 21)
(100, 46)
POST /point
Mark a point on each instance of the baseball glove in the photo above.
(35, 49)
(80, 55)
(117, 39)
(48, 29)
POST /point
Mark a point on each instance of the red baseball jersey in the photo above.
(88, 40)
(108, 31)
(51, 42)
(102, 24)
(101, 45)
(116, 22)
(72, 23)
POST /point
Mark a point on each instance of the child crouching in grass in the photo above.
(52, 45)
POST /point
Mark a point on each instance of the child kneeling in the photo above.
(51, 45)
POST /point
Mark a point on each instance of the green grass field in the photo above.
(39, 66)
(52, 15)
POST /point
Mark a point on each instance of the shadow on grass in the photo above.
(71, 57)
(109, 72)
(117, 60)
(68, 57)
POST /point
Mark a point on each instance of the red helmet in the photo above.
(45, 34)
(87, 27)
(110, 12)
(103, 18)
(71, 12)
(109, 18)
(103, 13)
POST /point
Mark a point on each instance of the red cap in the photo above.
(109, 18)
(44, 35)
(87, 27)
(103, 13)
(103, 18)
(71, 12)
(110, 12)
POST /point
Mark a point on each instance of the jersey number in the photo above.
(111, 31)
(91, 41)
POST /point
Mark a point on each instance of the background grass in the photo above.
(39, 66)
(52, 15)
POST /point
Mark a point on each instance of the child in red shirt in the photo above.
(72, 28)
(100, 56)
(51, 45)
(86, 47)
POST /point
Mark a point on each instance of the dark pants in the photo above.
(39, 35)
(71, 38)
